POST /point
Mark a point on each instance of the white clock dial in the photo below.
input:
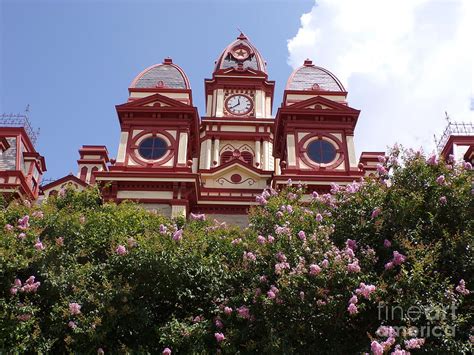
(239, 104)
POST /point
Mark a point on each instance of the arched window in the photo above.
(152, 148)
(321, 151)
(83, 173)
(92, 179)
(226, 156)
(247, 157)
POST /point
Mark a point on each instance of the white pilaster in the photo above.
(122, 147)
(291, 150)
(207, 164)
(258, 154)
(220, 103)
(265, 155)
(182, 149)
(216, 152)
(351, 151)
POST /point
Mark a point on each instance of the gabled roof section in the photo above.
(63, 180)
(320, 103)
(232, 163)
(153, 102)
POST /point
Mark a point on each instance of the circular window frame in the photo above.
(334, 141)
(139, 138)
(160, 150)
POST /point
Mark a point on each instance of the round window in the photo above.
(321, 151)
(152, 148)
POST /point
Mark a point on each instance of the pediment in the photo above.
(236, 175)
(153, 101)
(319, 103)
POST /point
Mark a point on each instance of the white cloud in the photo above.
(403, 62)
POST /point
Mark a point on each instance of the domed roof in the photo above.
(165, 75)
(241, 54)
(311, 77)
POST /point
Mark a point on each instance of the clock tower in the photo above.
(236, 137)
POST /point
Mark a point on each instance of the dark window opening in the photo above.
(321, 151)
(152, 148)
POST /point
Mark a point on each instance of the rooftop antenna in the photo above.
(447, 117)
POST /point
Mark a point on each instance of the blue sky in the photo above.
(73, 61)
(403, 62)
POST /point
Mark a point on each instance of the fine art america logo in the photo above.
(433, 316)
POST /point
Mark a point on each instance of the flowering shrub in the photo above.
(375, 266)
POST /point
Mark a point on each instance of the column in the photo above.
(265, 155)
(216, 152)
(208, 154)
(258, 154)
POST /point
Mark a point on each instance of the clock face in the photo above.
(239, 104)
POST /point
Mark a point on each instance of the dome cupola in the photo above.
(165, 75)
(312, 78)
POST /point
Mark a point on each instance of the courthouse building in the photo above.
(174, 159)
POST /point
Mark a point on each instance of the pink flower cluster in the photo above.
(198, 216)
(263, 198)
(261, 239)
(121, 250)
(279, 230)
(302, 235)
(74, 308)
(441, 180)
(381, 169)
(354, 266)
(249, 256)
(352, 308)
(414, 343)
(219, 337)
(375, 212)
(243, 312)
(273, 292)
(178, 235)
(166, 351)
(39, 245)
(365, 290)
(432, 160)
(314, 269)
(23, 223)
(30, 286)
(398, 259)
(461, 288)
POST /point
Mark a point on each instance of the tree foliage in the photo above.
(357, 270)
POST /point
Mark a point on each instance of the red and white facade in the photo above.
(21, 166)
(172, 160)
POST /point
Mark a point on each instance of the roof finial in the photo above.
(27, 109)
(308, 63)
(242, 35)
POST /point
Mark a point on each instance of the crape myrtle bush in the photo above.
(309, 274)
